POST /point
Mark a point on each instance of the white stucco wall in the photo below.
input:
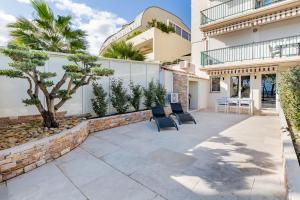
(12, 91)
(267, 32)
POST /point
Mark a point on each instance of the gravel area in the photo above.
(17, 134)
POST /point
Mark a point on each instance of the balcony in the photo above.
(231, 8)
(276, 48)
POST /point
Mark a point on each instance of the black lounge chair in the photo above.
(160, 118)
(180, 115)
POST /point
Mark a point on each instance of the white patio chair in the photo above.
(233, 103)
(277, 50)
(221, 102)
(246, 103)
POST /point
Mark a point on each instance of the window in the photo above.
(185, 35)
(215, 84)
(178, 30)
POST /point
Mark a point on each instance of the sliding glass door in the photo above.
(240, 86)
(234, 86)
(245, 87)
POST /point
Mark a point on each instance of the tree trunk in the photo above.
(49, 120)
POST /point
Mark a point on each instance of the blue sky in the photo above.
(99, 18)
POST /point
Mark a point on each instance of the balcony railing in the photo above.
(276, 48)
(232, 7)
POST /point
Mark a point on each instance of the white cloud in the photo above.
(4, 33)
(97, 24)
(24, 1)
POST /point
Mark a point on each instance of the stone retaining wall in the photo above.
(26, 157)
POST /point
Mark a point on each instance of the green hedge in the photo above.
(289, 91)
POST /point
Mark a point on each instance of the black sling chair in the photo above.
(180, 115)
(160, 118)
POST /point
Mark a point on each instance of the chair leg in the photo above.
(174, 123)
(178, 119)
(158, 127)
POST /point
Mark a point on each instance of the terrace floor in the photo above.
(224, 156)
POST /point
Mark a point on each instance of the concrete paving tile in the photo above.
(115, 186)
(115, 138)
(158, 197)
(171, 159)
(98, 147)
(164, 181)
(85, 169)
(125, 161)
(46, 182)
(3, 191)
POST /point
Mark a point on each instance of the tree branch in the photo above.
(58, 85)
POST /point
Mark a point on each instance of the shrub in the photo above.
(161, 26)
(289, 91)
(160, 95)
(99, 103)
(136, 95)
(149, 94)
(119, 98)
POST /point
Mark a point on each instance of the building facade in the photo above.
(242, 46)
(155, 44)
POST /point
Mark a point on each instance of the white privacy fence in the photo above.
(13, 91)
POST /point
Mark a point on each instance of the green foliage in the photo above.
(45, 75)
(172, 62)
(161, 26)
(136, 95)
(160, 95)
(135, 33)
(71, 68)
(31, 101)
(99, 103)
(123, 50)
(119, 98)
(26, 65)
(149, 94)
(47, 31)
(11, 73)
(48, 83)
(289, 91)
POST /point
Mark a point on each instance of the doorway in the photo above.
(192, 95)
(268, 90)
(240, 86)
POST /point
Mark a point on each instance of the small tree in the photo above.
(149, 94)
(119, 98)
(99, 103)
(26, 65)
(136, 95)
(160, 95)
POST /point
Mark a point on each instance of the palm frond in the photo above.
(43, 11)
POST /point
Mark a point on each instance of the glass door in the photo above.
(234, 86)
(245, 86)
(240, 86)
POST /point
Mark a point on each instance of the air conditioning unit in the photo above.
(173, 98)
(184, 64)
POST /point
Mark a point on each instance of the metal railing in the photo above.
(276, 48)
(232, 7)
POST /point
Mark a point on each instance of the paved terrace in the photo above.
(224, 156)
